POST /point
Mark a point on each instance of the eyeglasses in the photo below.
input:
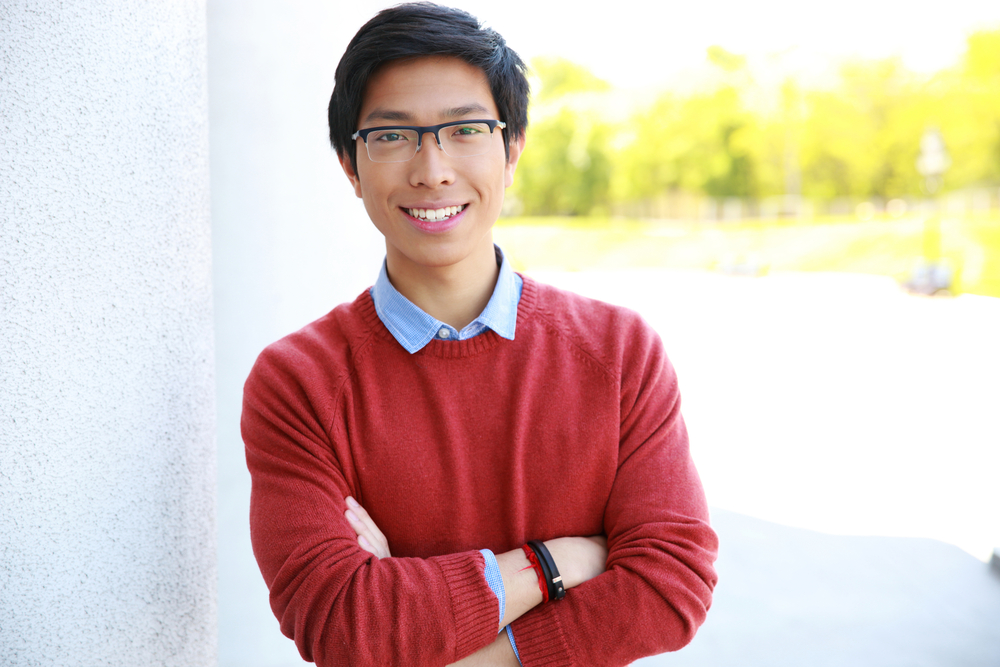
(463, 138)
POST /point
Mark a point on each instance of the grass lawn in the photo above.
(971, 246)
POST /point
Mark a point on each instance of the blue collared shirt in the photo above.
(413, 329)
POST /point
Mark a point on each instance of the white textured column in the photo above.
(107, 460)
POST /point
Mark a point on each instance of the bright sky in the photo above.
(635, 43)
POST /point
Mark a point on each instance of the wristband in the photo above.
(553, 580)
(534, 564)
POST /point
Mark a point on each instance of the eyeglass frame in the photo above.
(424, 129)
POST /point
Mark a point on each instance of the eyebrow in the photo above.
(405, 116)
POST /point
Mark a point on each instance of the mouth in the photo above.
(435, 214)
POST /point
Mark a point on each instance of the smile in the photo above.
(435, 214)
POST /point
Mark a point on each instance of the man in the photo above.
(405, 447)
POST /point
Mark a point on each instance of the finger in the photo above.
(358, 526)
(373, 529)
(365, 526)
(365, 540)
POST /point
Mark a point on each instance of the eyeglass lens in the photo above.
(400, 145)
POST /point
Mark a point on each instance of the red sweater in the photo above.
(573, 428)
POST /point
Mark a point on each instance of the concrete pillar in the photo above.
(107, 459)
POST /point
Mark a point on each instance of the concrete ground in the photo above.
(789, 597)
(848, 435)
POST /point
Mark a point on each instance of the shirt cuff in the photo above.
(513, 644)
(495, 582)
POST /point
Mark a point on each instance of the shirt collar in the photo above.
(413, 328)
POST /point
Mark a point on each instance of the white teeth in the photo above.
(434, 213)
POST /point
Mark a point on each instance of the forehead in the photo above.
(425, 89)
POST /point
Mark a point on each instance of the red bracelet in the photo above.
(533, 559)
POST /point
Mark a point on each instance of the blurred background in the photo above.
(777, 152)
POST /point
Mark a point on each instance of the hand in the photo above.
(370, 538)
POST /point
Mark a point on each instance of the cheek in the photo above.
(494, 174)
(374, 200)
(371, 187)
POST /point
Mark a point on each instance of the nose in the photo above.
(437, 140)
(431, 168)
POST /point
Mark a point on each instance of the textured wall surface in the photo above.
(289, 242)
(107, 459)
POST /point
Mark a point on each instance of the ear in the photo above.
(352, 176)
(516, 148)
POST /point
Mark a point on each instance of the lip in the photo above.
(435, 226)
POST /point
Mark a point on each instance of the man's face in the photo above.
(397, 195)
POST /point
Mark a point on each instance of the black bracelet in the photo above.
(553, 580)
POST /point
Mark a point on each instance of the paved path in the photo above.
(789, 597)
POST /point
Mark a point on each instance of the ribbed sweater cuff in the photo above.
(472, 602)
(540, 638)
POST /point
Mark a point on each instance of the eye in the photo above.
(467, 130)
(390, 136)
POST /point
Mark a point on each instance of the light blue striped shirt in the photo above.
(413, 329)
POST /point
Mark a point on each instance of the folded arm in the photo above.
(660, 576)
(307, 451)
(333, 596)
(579, 559)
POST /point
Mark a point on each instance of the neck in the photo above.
(454, 294)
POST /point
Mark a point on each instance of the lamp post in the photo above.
(932, 275)
(933, 160)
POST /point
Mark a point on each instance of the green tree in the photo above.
(862, 139)
(969, 113)
(859, 139)
(566, 167)
(700, 144)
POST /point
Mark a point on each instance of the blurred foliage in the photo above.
(702, 143)
(863, 139)
(567, 166)
(557, 77)
(730, 62)
(858, 140)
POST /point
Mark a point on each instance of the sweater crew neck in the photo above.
(451, 349)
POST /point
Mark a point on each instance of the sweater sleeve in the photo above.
(659, 580)
(340, 604)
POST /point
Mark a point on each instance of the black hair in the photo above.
(425, 29)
